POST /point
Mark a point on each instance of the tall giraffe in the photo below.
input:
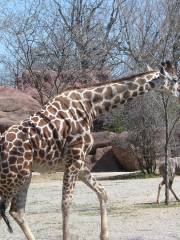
(59, 135)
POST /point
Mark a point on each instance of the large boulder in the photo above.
(112, 152)
(105, 161)
(102, 139)
(123, 151)
(15, 106)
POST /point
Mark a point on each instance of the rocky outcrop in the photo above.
(44, 84)
(102, 139)
(123, 151)
(105, 161)
(112, 152)
(15, 106)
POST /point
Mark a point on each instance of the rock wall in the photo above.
(15, 106)
(109, 157)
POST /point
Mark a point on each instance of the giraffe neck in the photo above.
(103, 98)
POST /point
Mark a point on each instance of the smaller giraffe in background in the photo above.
(174, 169)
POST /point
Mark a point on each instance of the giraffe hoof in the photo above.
(104, 236)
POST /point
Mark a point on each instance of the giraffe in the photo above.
(174, 168)
(59, 134)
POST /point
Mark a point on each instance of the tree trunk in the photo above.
(165, 102)
(166, 176)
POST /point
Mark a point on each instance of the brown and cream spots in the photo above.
(97, 98)
(132, 86)
(63, 101)
(75, 96)
(117, 99)
(126, 94)
(150, 76)
(141, 88)
(120, 88)
(87, 95)
(99, 90)
(62, 114)
(107, 105)
(42, 123)
(56, 105)
(134, 94)
(60, 134)
(141, 81)
(10, 137)
(51, 109)
(108, 93)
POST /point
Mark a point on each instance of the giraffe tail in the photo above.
(3, 215)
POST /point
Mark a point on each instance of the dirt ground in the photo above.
(132, 212)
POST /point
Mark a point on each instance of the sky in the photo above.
(8, 7)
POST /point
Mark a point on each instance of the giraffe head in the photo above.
(169, 76)
(3, 214)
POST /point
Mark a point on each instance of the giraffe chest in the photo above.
(47, 155)
(56, 142)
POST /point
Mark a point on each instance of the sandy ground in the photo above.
(132, 212)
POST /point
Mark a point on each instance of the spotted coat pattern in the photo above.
(59, 135)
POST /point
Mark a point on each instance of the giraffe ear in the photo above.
(163, 68)
(149, 68)
(167, 67)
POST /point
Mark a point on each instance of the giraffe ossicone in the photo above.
(60, 134)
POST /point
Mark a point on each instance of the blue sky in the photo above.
(8, 7)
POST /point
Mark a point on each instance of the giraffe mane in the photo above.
(127, 78)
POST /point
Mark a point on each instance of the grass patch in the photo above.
(128, 176)
(115, 210)
(155, 205)
(112, 210)
(144, 176)
(86, 210)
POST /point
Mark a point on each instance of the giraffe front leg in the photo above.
(69, 180)
(17, 210)
(159, 190)
(90, 181)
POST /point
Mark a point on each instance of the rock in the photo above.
(112, 152)
(102, 139)
(123, 151)
(105, 161)
(15, 106)
(126, 158)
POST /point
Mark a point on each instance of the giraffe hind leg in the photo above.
(17, 210)
(170, 188)
(70, 176)
(91, 182)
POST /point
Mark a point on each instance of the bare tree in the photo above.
(45, 36)
(141, 119)
(119, 35)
